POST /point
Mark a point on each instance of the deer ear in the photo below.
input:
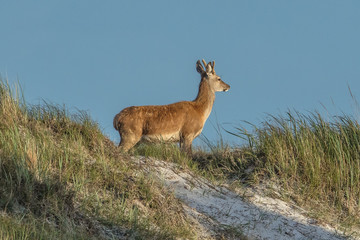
(199, 67)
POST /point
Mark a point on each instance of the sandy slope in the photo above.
(258, 216)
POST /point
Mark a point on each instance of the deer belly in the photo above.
(167, 137)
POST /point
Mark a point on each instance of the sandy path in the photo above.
(258, 216)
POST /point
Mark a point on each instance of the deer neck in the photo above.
(205, 98)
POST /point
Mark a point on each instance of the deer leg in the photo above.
(128, 141)
(185, 145)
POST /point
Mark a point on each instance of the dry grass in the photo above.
(61, 178)
(316, 162)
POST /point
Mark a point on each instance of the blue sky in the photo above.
(102, 56)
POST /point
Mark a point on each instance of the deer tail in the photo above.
(116, 122)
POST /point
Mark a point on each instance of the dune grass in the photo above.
(315, 161)
(61, 178)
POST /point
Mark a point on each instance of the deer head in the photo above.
(215, 82)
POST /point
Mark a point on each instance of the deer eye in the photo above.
(219, 79)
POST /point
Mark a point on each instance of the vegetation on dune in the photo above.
(316, 162)
(60, 178)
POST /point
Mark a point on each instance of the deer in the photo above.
(177, 122)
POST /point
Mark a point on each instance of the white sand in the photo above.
(257, 216)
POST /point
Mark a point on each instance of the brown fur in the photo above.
(178, 122)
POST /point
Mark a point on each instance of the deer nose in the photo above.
(226, 88)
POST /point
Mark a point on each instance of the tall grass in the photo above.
(61, 178)
(315, 158)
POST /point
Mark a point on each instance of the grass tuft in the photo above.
(315, 160)
(61, 178)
